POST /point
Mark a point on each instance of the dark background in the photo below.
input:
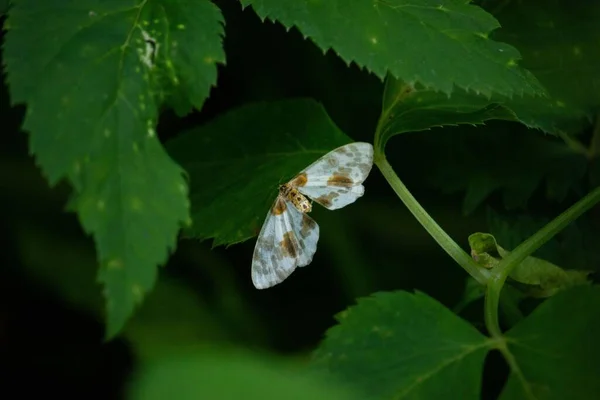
(51, 331)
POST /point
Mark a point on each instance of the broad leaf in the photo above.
(439, 44)
(410, 108)
(504, 158)
(559, 42)
(548, 278)
(229, 375)
(556, 349)
(236, 162)
(403, 345)
(93, 75)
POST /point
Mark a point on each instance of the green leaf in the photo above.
(229, 375)
(549, 278)
(410, 108)
(559, 43)
(556, 349)
(438, 45)
(93, 74)
(236, 162)
(403, 345)
(501, 158)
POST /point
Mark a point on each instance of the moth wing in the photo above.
(335, 180)
(288, 239)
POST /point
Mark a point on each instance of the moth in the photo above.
(288, 238)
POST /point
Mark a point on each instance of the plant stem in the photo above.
(440, 236)
(524, 250)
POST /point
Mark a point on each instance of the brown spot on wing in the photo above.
(300, 180)
(342, 150)
(327, 199)
(340, 180)
(279, 207)
(288, 244)
(308, 225)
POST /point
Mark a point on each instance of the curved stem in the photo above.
(440, 236)
(525, 249)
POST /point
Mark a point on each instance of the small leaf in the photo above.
(410, 108)
(94, 76)
(575, 247)
(548, 277)
(229, 375)
(438, 45)
(556, 349)
(236, 162)
(403, 345)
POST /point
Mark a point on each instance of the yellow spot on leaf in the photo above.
(180, 26)
(511, 63)
(107, 133)
(136, 204)
(101, 205)
(560, 103)
(137, 291)
(374, 40)
(151, 132)
(209, 60)
(115, 263)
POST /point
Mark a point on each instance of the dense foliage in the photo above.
(165, 126)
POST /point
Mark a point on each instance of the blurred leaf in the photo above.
(575, 247)
(229, 375)
(559, 41)
(93, 74)
(409, 108)
(172, 318)
(403, 345)
(438, 45)
(236, 162)
(548, 278)
(501, 157)
(4, 5)
(556, 349)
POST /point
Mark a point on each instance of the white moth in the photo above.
(288, 238)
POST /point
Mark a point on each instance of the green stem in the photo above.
(440, 236)
(524, 250)
(595, 143)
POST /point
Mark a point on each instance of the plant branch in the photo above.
(440, 236)
(525, 249)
